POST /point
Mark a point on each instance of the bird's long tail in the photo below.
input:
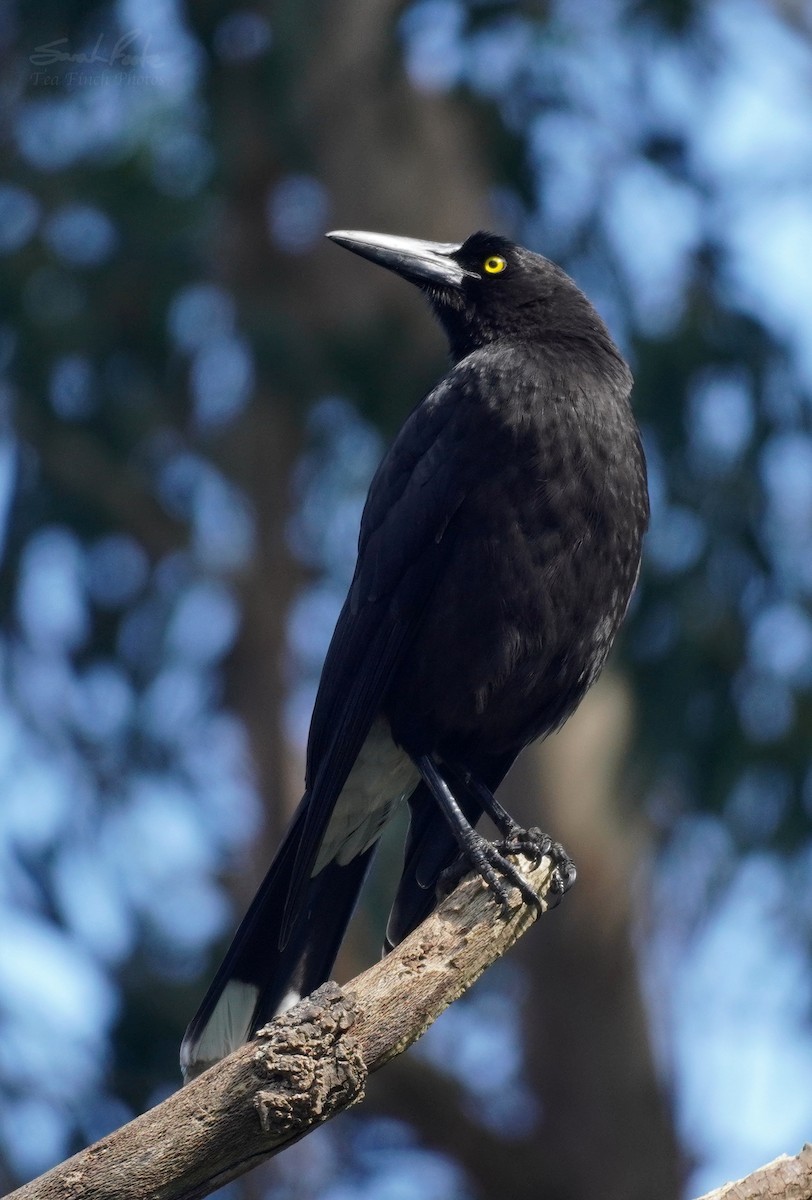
(258, 978)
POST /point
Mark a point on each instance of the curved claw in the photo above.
(564, 873)
(537, 845)
(495, 861)
(488, 860)
(500, 875)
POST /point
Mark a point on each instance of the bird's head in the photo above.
(486, 289)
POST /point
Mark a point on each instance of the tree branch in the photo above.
(301, 1069)
(785, 1177)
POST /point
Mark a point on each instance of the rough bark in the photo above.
(785, 1177)
(303, 1068)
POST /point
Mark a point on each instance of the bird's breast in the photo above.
(545, 553)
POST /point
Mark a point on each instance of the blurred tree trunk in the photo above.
(395, 159)
(403, 162)
(607, 1127)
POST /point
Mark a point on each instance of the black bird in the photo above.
(499, 546)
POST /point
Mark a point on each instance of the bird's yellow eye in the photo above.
(494, 264)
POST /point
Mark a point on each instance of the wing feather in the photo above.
(401, 555)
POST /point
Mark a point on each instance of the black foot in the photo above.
(491, 862)
(495, 868)
(499, 873)
(531, 842)
(535, 845)
(496, 871)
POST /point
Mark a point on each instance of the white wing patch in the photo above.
(382, 777)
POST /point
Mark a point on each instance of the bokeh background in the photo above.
(195, 388)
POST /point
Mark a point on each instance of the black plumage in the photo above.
(499, 546)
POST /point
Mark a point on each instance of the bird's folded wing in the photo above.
(402, 551)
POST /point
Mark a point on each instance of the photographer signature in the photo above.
(129, 50)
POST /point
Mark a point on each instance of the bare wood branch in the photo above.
(789, 1178)
(303, 1068)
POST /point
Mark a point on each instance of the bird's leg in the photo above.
(530, 841)
(487, 859)
(515, 838)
